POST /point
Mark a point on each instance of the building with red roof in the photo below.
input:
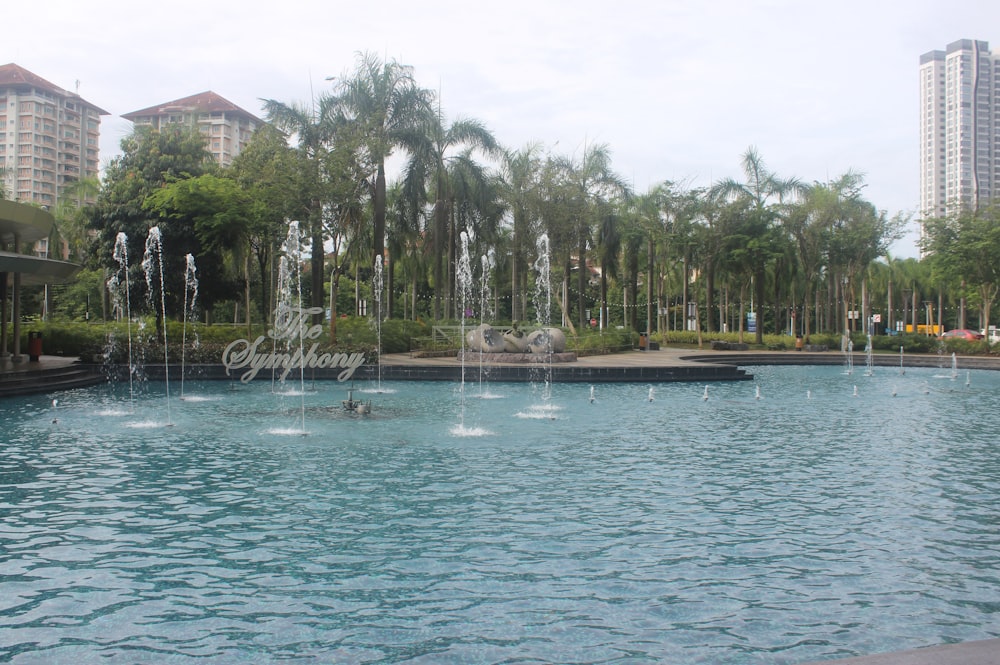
(50, 137)
(226, 127)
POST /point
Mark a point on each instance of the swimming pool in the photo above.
(809, 514)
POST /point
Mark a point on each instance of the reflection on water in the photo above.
(806, 524)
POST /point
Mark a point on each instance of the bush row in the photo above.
(200, 343)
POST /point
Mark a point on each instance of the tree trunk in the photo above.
(759, 298)
(604, 303)
(390, 287)
(581, 282)
(317, 259)
(246, 288)
(805, 311)
(334, 289)
(378, 228)
(439, 250)
(515, 313)
(709, 297)
(650, 260)
(743, 299)
(451, 299)
(684, 294)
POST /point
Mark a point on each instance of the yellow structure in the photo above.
(931, 331)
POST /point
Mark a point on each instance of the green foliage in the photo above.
(964, 251)
(65, 338)
(205, 216)
(150, 159)
(200, 343)
(74, 301)
(910, 343)
(361, 332)
(592, 343)
(965, 347)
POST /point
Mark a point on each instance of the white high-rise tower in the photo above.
(959, 127)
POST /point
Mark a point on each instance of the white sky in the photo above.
(677, 89)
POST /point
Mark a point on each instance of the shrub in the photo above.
(591, 343)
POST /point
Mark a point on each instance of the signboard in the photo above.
(290, 325)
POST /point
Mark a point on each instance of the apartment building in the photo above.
(226, 127)
(959, 127)
(49, 137)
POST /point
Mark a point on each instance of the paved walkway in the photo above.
(662, 358)
(7, 364)
(982, 652)
(686, 357)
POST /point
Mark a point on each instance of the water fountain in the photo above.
(290, 318)
(869, 361)
(902, 371)
(487, 261)
(120, 290)
(543, 305)
(463, 277)
(847, 348)
(190, 303)
(152, 266)
(377, 288)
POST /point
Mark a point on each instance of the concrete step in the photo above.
(30, 380)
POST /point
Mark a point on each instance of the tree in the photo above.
(432, 156)
(475, 206)
(150, 158)
(856, 232)
(519, 180)
(762, 191)
(267, 169)
(592, 185)
(314, 129)
(809, 228)
(383, 104)
(965, 248)
(72, 218)
(208, 217)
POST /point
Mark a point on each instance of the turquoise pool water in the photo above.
(810, 523)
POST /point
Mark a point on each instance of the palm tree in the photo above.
(520, 174)
(267, 169)
(763, 192)
(593, 185)
(430, 159)
(403, 240)
(71, 217)
(858, 234)
(808, 227)
(314, 129)
(609, 245)
(383, 104)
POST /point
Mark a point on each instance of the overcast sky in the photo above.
(677, 90)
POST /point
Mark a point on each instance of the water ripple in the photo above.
(776, 530)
